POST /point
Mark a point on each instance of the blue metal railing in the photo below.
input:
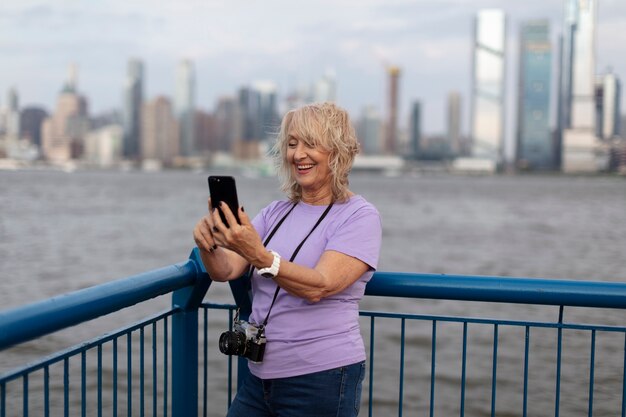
(178, 352)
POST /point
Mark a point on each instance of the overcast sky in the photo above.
(236, 42)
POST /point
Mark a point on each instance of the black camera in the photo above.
(245, 340)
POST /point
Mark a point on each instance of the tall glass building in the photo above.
(453, 122)
(268, 117)
(415, 128)
(133, 102)
(369, 130)
(184, 104)
(488, 80)
(581, 150)
(608, 109)
(534, 148)
(578, 72)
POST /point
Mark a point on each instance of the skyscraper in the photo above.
(133, 102)
(64, 131)
(534, 147)
(325, 89)
(415, 128)
(184, 104)
(608, 98)
(228, 126)
(580, 150)
(577, 72)
(31, 120)
(103, 146)
(369, 131)
(488, 81)
(11, 116)
(269, 120)
(391, 133)
(249, 112)
(206, 133)
(453, 119)
(159, 132)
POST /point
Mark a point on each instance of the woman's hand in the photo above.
(202, 233)
(239, 238)
(220, 263)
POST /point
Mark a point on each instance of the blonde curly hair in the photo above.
(321, 125)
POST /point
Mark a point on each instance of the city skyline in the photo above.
(291, 48)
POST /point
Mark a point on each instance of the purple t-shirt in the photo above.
(305, 337)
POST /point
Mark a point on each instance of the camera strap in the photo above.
(293, 256)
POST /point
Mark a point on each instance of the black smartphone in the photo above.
(222, 188)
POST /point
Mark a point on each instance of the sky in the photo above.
(292, 43)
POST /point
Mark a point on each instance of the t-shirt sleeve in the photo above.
(359, 236)
(260, 220)
(264, 219)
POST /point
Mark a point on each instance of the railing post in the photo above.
(243, 298)
(185, 342)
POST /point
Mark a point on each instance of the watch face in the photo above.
(267, 275)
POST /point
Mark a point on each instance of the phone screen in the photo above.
(222, 188)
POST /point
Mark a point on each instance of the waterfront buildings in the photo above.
(534, 146)
(488, 88)
(587, 120)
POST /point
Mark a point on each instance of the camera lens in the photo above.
(233, 343)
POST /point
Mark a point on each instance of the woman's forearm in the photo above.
(222, 264)
(333, 273)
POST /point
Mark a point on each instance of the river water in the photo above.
(60, 232)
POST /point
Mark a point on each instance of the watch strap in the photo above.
(272, 270)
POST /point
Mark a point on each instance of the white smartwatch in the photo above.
(272, 270)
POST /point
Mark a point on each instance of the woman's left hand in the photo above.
(240, 238)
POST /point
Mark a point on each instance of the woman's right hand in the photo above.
(221, 264)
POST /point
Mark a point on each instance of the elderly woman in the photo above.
(314, 361)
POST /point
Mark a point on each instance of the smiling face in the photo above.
(309, 168)
(314, 152)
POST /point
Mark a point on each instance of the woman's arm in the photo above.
(333, 273)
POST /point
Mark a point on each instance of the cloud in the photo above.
(379, 25)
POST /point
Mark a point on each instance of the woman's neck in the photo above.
(321, 197)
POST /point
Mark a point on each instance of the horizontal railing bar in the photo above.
(499, 289)
(37, 319)
(474, 320)
(81, 347)
(215, 306)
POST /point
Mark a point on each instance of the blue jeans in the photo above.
(332, 393)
